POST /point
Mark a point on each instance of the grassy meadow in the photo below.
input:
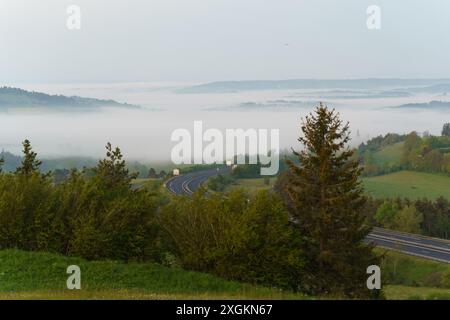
(410, 184)
(254, 184)
(38, 275)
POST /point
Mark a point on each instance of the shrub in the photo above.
(235, 236)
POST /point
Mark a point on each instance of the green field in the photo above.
(408, 184)
(252, 184)
(37, 275)
(415, 293)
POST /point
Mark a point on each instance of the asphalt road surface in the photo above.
(412, 244)
(186, 184)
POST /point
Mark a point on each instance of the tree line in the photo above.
(425, 153)
(422, 216)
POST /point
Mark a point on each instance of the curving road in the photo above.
(412, 244)
(186, 184)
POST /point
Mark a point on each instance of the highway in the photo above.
(412, 244)
(186, 184)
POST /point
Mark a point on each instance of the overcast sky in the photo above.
(206, 40)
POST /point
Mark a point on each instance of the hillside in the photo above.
(389, 155)
(410, 184)
(435, 104)
(19, 98)
(38, 275)
(11, 161)
(234, 86)
(43, 275)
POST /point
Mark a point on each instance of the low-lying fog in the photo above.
(145, 134)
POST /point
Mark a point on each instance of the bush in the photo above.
(24, 211)
(234, 236)
(97, 217)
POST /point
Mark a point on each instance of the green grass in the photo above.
(406, 270)
(415, 293)
(389, 155)
(38, 275)
(410, 184)
(252, 184)
(41, 275)
(409, 277)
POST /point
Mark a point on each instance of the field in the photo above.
(36, 275)
(409, 184)
(416, 293)
(252, 184)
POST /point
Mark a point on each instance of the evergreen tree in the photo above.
(112, 171)
(325, 199)
(162, 174)
(152, 174)
(446, 130)
(29, 163)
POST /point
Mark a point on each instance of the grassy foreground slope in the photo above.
(37, 275)
(410, 184)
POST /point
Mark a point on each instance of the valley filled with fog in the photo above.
(144, 133)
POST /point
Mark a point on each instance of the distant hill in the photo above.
(430, 105)
(11, 161)
(235, 86)
(19, 98)
(440, 88)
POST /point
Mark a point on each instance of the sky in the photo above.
(212, 40)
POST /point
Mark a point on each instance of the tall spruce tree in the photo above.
(29, 163)
(325, 199)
